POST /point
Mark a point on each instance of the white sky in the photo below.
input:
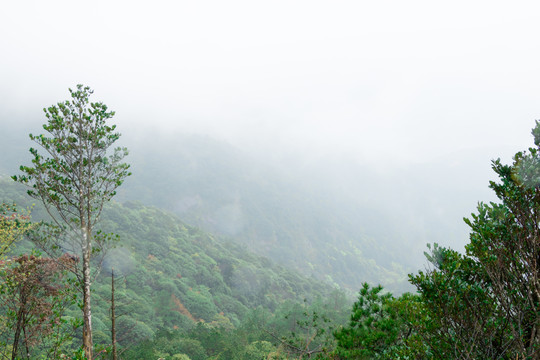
(394, 80)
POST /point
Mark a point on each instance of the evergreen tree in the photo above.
(75, 177)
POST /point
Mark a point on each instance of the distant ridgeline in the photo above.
(171, 275)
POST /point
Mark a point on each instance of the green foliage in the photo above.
(461, 312)
(373, 326)
(294, 330)
(34, 294)
(182, 271)
(258, 350)
(14, 223)
(78, 175)
(384, 327)
(305, 330)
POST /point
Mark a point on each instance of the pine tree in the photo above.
(75, 177)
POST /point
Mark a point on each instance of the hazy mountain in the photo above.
(332, 218)
(329, 217)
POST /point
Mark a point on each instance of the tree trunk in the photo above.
(113, 319)
(18, 329)
(87, 314)
(26, 341)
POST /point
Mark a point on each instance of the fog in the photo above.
(421, 93)
(392, 80)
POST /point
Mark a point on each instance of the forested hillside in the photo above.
(172, 276)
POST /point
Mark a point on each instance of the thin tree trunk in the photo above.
(26, 341)
(87, 314)
(113, 319)
(18, 330)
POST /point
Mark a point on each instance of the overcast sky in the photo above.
(402, 81)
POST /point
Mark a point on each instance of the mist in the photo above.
(387, 82)
(393, 107)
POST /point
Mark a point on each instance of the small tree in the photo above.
(75, 177)
(35, 293)
(373, 329)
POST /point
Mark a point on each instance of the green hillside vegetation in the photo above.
(174, 278)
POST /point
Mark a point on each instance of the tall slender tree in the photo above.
(74, 177)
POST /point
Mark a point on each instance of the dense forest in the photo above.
(84, 276)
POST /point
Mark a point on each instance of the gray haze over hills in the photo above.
(390, 111)
(335, 219)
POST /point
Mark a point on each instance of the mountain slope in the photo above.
(223, 190)
(171, 275)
